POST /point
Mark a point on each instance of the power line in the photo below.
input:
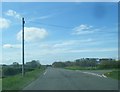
(68, 28)
(53, 25)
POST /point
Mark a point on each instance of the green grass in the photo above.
(80, 68)
(0, 84)
(18, 82)
(114, 74)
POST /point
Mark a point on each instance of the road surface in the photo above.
(62, 79)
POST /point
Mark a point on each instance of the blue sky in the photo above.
(59, 31)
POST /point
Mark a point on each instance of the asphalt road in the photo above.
(62, 79)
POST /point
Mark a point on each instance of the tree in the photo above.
(68, 63)
(33, 64)
(108, 64)
(59, 64)
(15, 64)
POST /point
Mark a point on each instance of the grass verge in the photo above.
(81, 68)
(113, 74)
(18, 82)
(0, 84)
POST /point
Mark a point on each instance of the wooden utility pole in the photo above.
(23, 70)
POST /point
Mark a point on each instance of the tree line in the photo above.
(16, 68)
(90, 62)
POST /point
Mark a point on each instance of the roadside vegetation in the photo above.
(114, 74)
(92, 64)
(12, 74)
(88, 63)
(12, 78)
(80, 68)
(0, 78)
(18, 82)
(0, 84)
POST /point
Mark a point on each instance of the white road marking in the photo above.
(45, 72)
(92, 74)
(104, 76)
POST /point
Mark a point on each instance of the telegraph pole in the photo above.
(23, 70)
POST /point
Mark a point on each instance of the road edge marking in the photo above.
(45, 72)
(104, 76)
(91, 73)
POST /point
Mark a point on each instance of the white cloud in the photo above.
(83, 29)
(7, 46)
(40, 17)
(13, 13)
(55, 51)
(73, 46)
(32, 34)
(45, 17)
(62, 46)
(72, 42)
(11, 46)
(67, 43)
(94, 50)
(4, 23)
(37, 18)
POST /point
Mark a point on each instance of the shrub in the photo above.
(8, 71)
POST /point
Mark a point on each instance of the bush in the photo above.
(33, 64)
(109, 64)
(8, 71)
(29, 69)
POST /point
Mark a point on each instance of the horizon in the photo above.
(62, 61)
(59, 31)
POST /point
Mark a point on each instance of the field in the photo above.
(18, 82)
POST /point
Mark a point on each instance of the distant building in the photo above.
(106, 59)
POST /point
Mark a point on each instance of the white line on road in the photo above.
(93, 74)
(104, 76)
(45, 72)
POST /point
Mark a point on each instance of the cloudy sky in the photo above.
(59, 31)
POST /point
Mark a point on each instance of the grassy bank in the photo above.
(114, 74)
(18, 82)
(0, 84)
(88, 68)
(80, 68)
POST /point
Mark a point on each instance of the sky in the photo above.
(60, 0)
(59, 31)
